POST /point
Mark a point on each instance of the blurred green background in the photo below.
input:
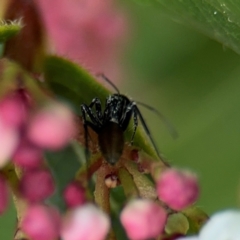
(194, 82)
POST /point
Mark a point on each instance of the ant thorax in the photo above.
(115, 109)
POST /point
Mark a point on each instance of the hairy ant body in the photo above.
(111, 123)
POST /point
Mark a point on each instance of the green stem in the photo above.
(102, 192)
(128, 184)
(144, 185)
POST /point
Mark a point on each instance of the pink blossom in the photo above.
(3, 194)
(143, 219)
(89, 32)
(86, 222)
(27, 155)
(8, 142)
(36, 185)
(178, 189)
(13, 109)
(74, 195)
(41, 223)
(52, 127)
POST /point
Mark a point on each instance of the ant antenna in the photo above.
(166, 122)
(108, 81)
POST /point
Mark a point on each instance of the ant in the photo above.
(111, 123)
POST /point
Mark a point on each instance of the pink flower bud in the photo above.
(86, 222)
(13, 110)
(143, 219)
(28, 156)
(41, 223)
(74, 195)
(3, 194)
(52, 127)
(36, 185)
(178, 189)
(8, 142)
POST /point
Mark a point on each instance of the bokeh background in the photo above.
(195, 82)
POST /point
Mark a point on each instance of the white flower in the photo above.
(223, 225)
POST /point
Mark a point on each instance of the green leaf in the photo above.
(196, 218)
(177, 223)
(71, 82)
(144, 185)
(9, 29)
(217, 19)
(75, 85)
(64, 165)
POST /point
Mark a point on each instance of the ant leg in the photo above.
(130, 110)
(86, 123)
(87, 110)
(98, 107)
(85, 132)
(137, 112)
(135, 124)
(167, 123)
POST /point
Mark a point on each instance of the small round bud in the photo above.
(86, 222)
(13, 109)
(74, 195)
(8, 142)
(36, 185)
(143, 219)
(28, 156)
(3, 194)
(178, 189)
(52, 127)
(41, 223)
(111, 181)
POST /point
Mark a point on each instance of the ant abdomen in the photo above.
(111, 142)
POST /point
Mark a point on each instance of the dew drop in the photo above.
(215, 12)
(229, 19)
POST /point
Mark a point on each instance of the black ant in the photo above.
(111, 123)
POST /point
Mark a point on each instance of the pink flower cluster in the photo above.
(26, 131)
(83, 222)
(141, 218)
(145, 219)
